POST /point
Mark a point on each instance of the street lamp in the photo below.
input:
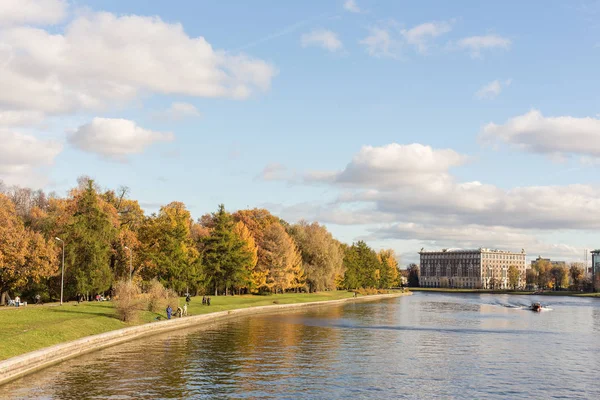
(62, 273)
(130, 263)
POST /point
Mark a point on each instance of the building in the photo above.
(596, 268)
(478, 268)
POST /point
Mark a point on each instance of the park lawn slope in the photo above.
(30, 328)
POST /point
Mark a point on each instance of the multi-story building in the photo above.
(596, 268)
(553, 263)
(478, 268)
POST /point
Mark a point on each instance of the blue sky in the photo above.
(271, 104)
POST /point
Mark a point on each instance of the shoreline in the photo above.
(21, 365)
(507, 291)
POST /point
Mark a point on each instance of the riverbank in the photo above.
(222, 308)
(513, 292)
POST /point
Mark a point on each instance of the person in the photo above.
(169, 311)
(208, 301)
(38, 299)
(17, 301)
(179, 312)
(188, 298)
(203, 300)
(185, 310)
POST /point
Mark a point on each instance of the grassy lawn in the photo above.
(523, 292)
(26, 329)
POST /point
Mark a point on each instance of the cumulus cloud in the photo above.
(535, 133)
(22, 156)
(476, 44)
(115, 138)
(35, 12)
(351, 6)
(101, 59)
(322, 38)
(492, 89)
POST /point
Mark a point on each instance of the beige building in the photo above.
(478, 268)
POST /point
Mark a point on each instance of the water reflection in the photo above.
(422, 346)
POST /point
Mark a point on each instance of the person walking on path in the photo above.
(169, 311)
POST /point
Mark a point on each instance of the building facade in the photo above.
(478, 268)
(596, 269)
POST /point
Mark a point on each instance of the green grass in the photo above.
(30, 328)
(522, 292)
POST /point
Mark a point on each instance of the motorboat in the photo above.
(537, 307)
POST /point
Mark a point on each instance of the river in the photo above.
(429, 345)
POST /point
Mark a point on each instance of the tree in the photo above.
(283, 260)
(576, 273)
(514, 276)
(413, 275)
(542, 269)
(560, 276)
(169, 253)
(361, 264)
(322, 255)
(227, 258)
(531, 277)
(88, 239)
(253, 279)
(388, 274)
(24, 255)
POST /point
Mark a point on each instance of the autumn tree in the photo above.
(282, 260)
(251, 279)
(531, 277)
(227, 258)
(413, 275)
(514, 276)
(24, 255)
(388, 274)
(542, 269)
(560, 276)
(322, 256)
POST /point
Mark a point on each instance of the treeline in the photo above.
(544, 275)
(107, 237)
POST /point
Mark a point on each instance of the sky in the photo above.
(410, 125)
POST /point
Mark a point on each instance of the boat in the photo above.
(537, 307)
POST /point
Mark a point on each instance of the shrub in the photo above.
(157, 296)
(128, 300)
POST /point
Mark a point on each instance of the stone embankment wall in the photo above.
(18, 366)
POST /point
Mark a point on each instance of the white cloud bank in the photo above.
(101, 59)
(115, 138)
(325, 39)
(552, 136)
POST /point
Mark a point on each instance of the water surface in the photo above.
(429, 345)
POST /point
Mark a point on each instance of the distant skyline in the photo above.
(426, 124)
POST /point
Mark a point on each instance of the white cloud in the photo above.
(475, 44)
(178, 111)
(420, 35)
(39, 12)
(350, 5)
(20, 118)
(492, 89)
(392, 164)
(553, 136)
(22, 156)
(387, 40)
(101, 59)
(322, 38)
(115, 138)
(380, 43)
(274, 172)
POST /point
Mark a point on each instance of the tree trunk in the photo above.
(3, 298)
(216, 294)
